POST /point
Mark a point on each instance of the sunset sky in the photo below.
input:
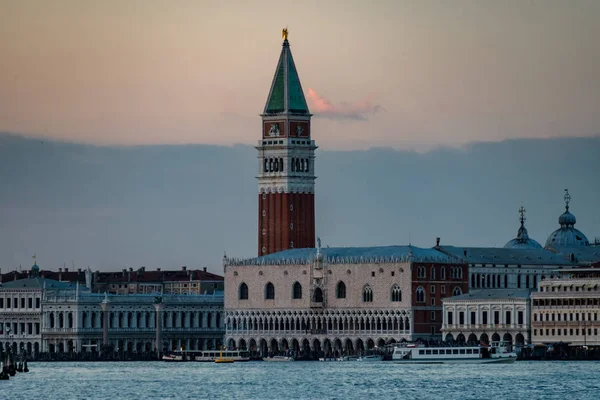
(406, 74)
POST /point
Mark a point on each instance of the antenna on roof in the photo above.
(409, 238)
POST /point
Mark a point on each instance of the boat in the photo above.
(370, 358)
(278, 359)
(498, 352)
(348, 358)
(223, 360)
(207, 355)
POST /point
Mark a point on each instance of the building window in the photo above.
(396, 293)
(496, 317)
(318, 295)
(484, 317)
(432, 301)
(421, 272)
(457, 291)
(520, 317)
(243, 291)
(420, 295)
(269, 291)
(450, 315)
(372, 274)
(264, 213)
(473, 317)
(433, 315)
(461, 318)
(432, 273)
(292, 245)
(297, 291)
(443, 289)
(432, 289)
(292, 227)
(393, 273)
(443, 273)
(367, 294)
(264, 249)
(264, 231)
(340, 290)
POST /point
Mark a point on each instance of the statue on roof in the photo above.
(284, 33)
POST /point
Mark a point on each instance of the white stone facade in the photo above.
(487, 316)
(326, 318)
(20, 317)
(567, 310)
(73, 322)
(275, 171)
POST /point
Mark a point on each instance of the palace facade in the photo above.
(338, 300)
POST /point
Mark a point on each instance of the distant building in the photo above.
(286, 170)
(566, 309)
(74, 321)
(21, 310)
(128, 281)
(488, 315)
(338, 300)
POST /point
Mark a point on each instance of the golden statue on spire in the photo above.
(284, 33)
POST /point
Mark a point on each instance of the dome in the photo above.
(566, 235)
(35, 269)
(522, 241)
(567, 218)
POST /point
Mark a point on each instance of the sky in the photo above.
(400, 74)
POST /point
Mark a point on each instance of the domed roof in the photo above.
(567, 218)
(566, 235)
(522, 241)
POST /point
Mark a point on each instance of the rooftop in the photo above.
(507, 256)
(353, 254)
(492, 294)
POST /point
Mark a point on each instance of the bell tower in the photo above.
(286, 155)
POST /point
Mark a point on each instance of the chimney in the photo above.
(60, 274)
(158, 269)
(183, 268)
(465, 253)
(437, 242)
(66, 270)
(130, 269)
(204, 269)
(78, 270)
(60, 270)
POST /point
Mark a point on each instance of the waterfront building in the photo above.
(338, 300)
(566, 308)
(488, 315)
(76, 321)
(286, 154)
(130, 281)
(20, 311)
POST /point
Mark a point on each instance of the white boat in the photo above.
(278, 359)
(348, 358)
(370, 358)
(207, 355)
(499, 352)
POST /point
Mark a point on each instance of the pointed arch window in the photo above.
(443, 273)
(457, 291)
(281, 164)
(340, 290)
(432, 273)
(421, 272)
(318, 295)
(396, 294)
(306, 166)
(293, 164)
(297, 290)
(243, 291)
(269, 291)
(367, 294)
(420, 294)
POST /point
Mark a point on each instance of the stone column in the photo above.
(159, 309)
(105, 314)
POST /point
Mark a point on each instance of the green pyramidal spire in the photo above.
(286, 95)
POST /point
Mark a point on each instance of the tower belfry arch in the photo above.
(286, 154)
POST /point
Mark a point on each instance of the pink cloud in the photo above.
(344, 110)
